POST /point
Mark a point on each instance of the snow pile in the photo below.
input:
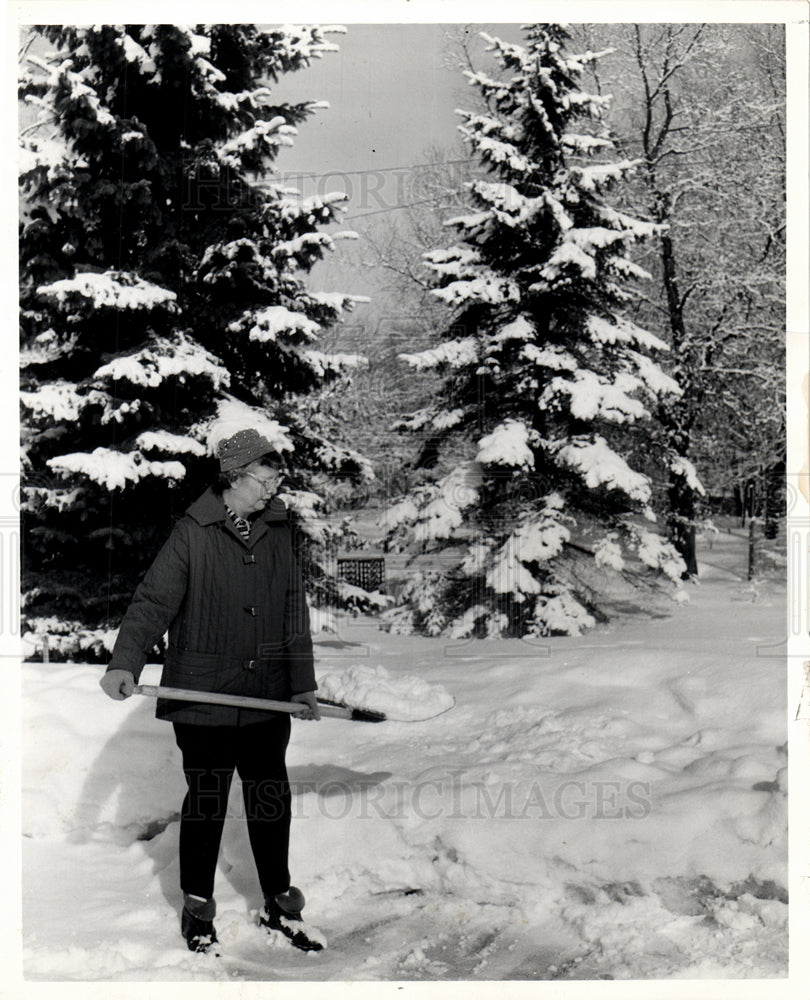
(403, 698)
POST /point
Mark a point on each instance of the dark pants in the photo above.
(210, 755)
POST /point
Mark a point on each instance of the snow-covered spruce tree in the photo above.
(162, 297)
(544, 376)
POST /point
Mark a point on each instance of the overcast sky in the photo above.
(392, 94)
(392, 91)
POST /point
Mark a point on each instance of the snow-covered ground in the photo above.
(608, 806)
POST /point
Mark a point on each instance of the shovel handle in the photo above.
(237, 700)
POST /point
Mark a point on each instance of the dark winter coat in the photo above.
(235, 611)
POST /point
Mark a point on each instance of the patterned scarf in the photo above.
(242, 523)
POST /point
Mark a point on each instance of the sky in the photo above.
(392, 91)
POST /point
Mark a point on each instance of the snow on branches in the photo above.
(163, 359)
(543, 374)
(114, 469)
(163, 290)
(110, 290)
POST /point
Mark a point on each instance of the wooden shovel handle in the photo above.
(237, 700)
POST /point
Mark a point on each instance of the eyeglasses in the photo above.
(266, 484)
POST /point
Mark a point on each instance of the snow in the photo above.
(681, 466)
(490, 289)
(306, 242)
(270, 134)
(656, 552)
(439, 514)
(607, 806)
(61, 401)
(594, 237)
(608, 552)
(316, 208)
(114, 469)
(135, 53)
(111, 290)
(332, 364)
(593, 178)
(639, 228)
(454, 353)
(591, 395)
(568, 254)
(448, 419)
(268, 323)
(338, 300)
(585, 144)
(508, 205)
(233, 415)
(457, 261)
(551, 356)
(335, 457)
(178, 444)
(495, 150)
(621, 330)
(533, 541)
(520, 328)
(599, 465)
(654, 377)
(50, 153)
(400, 697)
(165, 359)
(508, 444)
(404, 512)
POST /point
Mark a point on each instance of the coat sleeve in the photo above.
(154, 605)
(297, 635)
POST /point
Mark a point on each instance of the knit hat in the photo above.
(242, 448)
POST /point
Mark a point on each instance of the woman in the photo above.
(227, 588)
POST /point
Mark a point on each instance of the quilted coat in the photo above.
(235, 612)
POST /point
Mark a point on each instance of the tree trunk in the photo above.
(774, 499)
(681, 522)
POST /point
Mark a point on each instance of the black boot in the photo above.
(197, 924)
(282, 912)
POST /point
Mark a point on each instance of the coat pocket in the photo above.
(185, 668)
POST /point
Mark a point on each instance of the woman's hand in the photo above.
(118, 684)
(309, 705)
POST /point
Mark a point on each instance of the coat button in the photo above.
(249, 560)
(251, 611)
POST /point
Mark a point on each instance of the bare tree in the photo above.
(702, 108)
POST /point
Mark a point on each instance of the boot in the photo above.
(282, 912)
(197, 923)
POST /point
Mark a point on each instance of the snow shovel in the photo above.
(243, 701)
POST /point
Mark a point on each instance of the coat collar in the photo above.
(209, 508)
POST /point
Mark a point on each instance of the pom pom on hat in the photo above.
(242, 448)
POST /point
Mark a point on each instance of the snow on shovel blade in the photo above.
(397, 697)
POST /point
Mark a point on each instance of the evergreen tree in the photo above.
(543, 372)
(163, 298)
